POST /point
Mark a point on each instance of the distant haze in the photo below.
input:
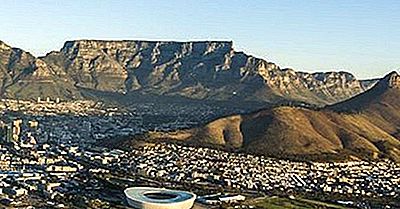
(362, 37)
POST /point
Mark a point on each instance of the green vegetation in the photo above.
(286, 203)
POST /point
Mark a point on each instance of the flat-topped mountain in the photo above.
(366, 126)
(210, 70)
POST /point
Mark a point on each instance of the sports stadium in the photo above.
(159, 198)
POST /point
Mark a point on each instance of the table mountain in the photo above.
(210, 70)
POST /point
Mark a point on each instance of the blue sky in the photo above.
(362, 37)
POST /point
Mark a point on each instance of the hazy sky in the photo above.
(362, 37)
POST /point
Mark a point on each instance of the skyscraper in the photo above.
(16, 129)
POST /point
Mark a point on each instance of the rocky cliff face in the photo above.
(320, 88)
(23, 76)
(393, 80)
(197, 70)
(14, 64)
(191, 69)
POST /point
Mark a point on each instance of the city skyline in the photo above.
(199, 104)
(358, 36)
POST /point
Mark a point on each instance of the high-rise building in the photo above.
(33, 124)
(16, 129)
(3, 130)
(9, 133)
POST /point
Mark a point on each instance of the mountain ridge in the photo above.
(198, 70)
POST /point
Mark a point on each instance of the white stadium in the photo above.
(159, 198)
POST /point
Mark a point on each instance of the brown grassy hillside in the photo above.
(366, 126)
